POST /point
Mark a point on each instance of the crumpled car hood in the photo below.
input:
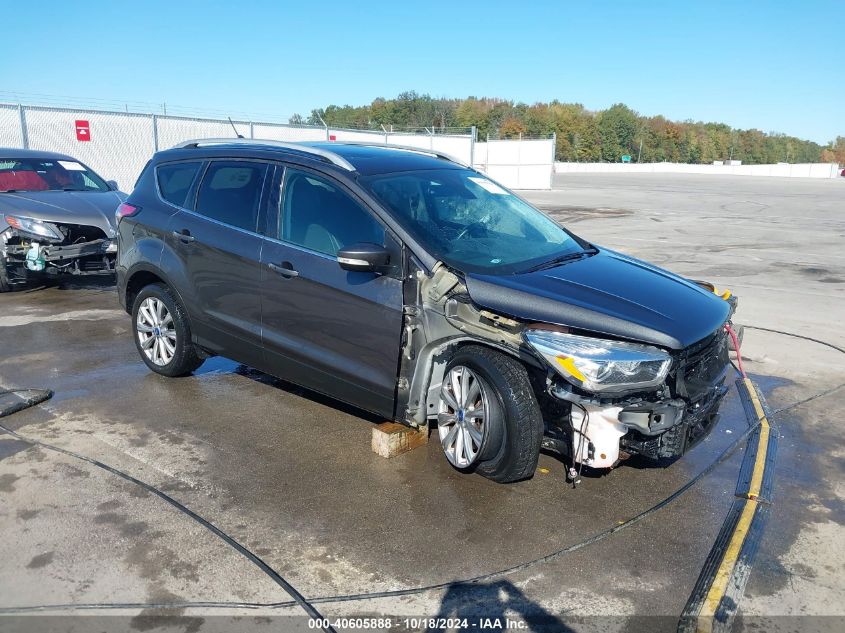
(93, 208)
(607, 293)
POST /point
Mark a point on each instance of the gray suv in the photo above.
(410, 285)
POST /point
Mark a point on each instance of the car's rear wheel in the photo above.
(163, 333)
(488, 420)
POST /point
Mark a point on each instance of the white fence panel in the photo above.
(119, 145)
(10, 126)
(410, 140)
(518, 164)
(174, 130)
(359, 136)
(456, 146)
(287, 133)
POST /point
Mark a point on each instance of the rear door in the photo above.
(219, 248)
(334, 331)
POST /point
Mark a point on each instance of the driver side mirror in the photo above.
(364, 257)
(112, 185)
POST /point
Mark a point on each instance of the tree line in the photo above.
(582, 135)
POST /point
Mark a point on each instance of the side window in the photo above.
(175, 180)
(317, 215)
(231, 192)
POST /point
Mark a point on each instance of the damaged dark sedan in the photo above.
(408, 284)
(56, 218)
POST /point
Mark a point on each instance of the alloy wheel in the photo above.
(462, 416)
(156, 332)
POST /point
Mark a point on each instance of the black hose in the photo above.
(806, 338)
(306, 604)
(298, 598)
(361, 596)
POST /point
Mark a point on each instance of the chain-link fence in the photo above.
(118, 144)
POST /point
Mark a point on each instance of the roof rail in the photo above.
(331, 157)
(409, 148)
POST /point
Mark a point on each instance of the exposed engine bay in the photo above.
(31, 247)
(667, 404)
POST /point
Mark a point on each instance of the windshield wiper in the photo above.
(72, 189)
(562, 259)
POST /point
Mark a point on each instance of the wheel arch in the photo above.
(143, 275)
(431, 367)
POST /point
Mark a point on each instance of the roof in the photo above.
(380, 159)
(361, 158)
(17, 152)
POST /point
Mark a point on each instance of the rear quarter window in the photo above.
(175, 180)
(231, 193)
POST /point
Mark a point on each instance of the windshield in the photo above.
(470, 222)
(38, 174)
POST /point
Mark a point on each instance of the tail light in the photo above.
(125, 210)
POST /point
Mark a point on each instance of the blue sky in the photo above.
(776, 66)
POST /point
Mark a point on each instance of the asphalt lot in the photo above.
(290, 474)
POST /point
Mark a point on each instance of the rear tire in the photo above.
(513, 425)
(162, 332)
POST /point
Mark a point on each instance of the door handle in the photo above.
(184, 236)
(285, 270)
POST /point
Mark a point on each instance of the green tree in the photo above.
(617, 128)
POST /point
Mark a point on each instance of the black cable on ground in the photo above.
(372, 595)
(806, 338)
(396, 592)
(298, 598)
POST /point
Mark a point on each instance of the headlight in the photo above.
(35, 227)
(598, 365)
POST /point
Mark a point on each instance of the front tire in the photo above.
(489, 421)
(163, 332)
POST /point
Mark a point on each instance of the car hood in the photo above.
(607, 293)
(93, 208)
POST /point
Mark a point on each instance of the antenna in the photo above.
(234, 128)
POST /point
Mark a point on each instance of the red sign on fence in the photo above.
(83, 131)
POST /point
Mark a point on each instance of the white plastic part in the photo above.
(603, 430)
(34, 261)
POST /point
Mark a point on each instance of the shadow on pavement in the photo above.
(483, 604)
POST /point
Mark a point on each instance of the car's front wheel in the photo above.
(163, 333)
(488, 418)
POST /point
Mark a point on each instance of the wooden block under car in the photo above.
(391, 439)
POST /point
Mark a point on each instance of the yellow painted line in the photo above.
(726, 566)
(762, 444)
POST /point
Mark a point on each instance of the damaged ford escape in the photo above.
(410, 285)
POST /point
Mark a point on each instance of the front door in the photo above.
(331, 330)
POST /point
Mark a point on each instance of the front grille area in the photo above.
(702, 367)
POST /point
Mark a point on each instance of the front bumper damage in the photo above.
(85, 250)
(659, 424)
(662, 425)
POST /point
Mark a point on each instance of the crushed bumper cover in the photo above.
(657, 426)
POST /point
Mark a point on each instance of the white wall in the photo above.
(518, 164)
(121, 143)
(781, 170)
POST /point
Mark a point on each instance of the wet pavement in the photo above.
(289, 474)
